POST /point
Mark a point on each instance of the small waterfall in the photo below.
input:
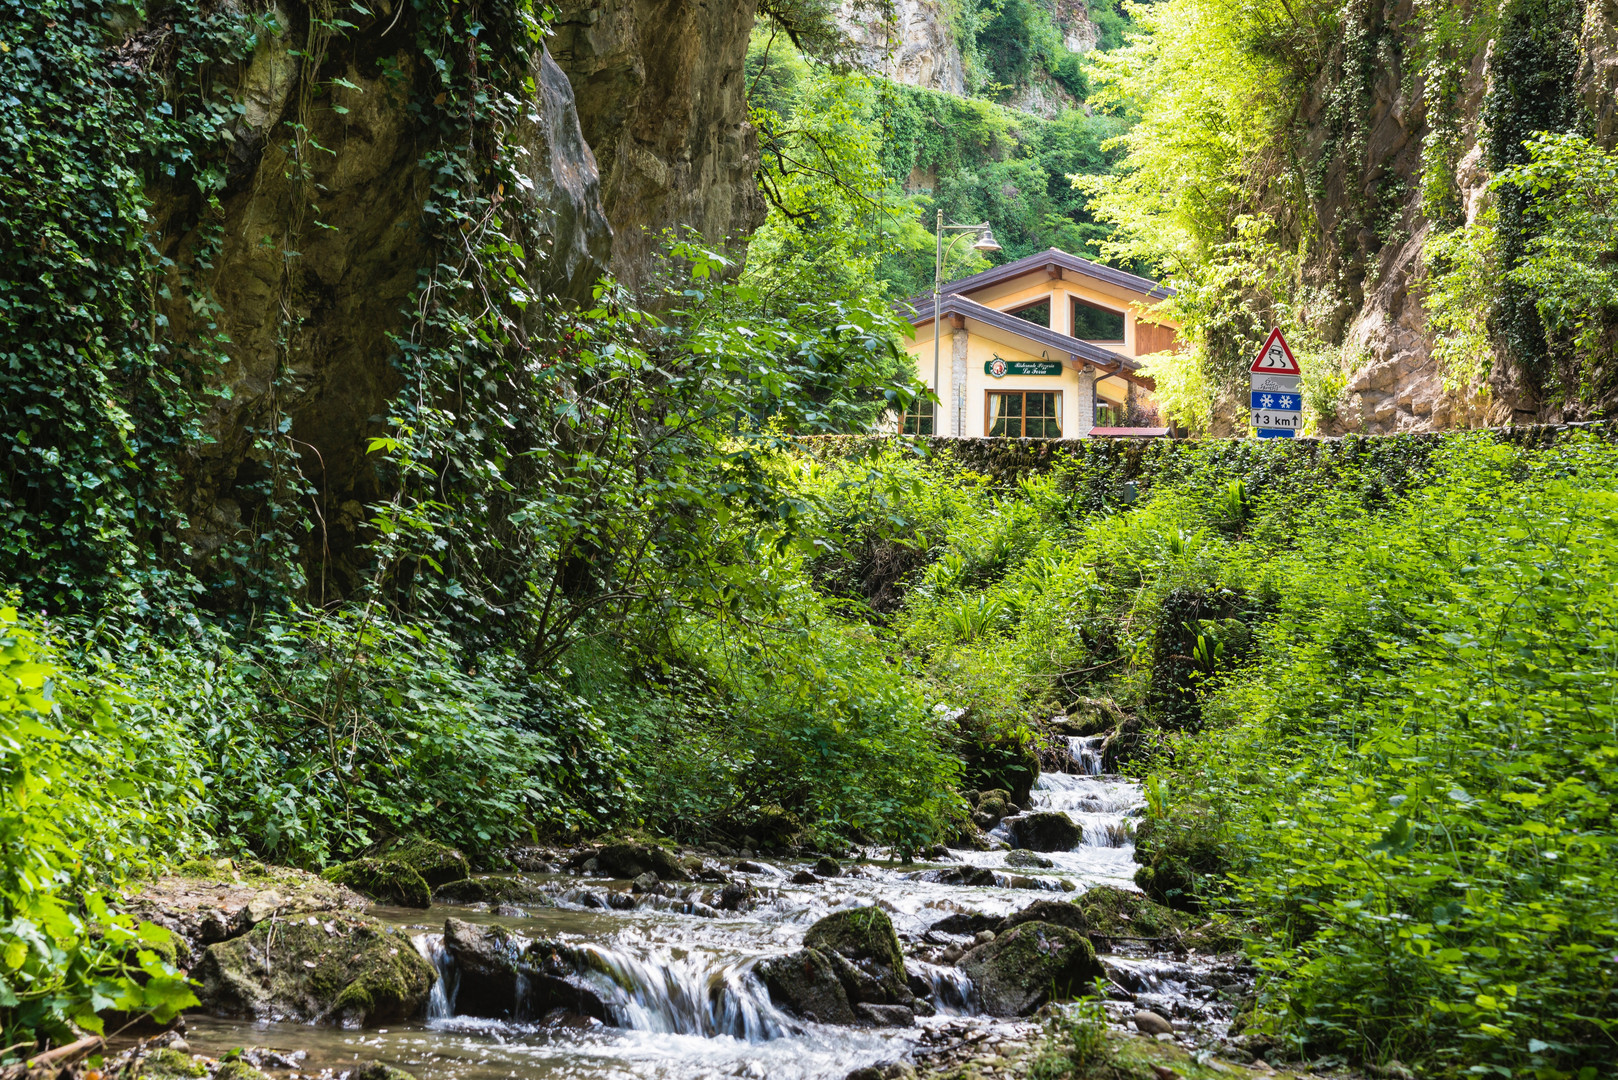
(695, 995)
(1085, 750)
(692, 996)
(951, 992)
(441, 1000)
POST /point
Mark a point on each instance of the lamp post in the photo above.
(985, 242)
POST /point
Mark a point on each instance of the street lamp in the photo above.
(985, 242)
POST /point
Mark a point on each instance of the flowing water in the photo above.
(677, 977)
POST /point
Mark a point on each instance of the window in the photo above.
(1024, 414)
(919, 420)
(1039, 314)
(1092, 323)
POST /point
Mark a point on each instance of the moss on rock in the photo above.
(492, 889)
(238, 1070)
(386, 880)
(349, 971)
(169, 1064)
(865, 937)
(438, 864)
(630, 860)
(1030, 964)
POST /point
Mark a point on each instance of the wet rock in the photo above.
(747, 866)
(631, 860)
(485, 959)
(645, 883)
(897, 1070)
(349, 971)
(438, 864)
(375, 1070)
(776, 828)
(983, 937)
(237, 1070)
(1029, 965)
(828, 868)
(806, 984)
(885, 1015)
(259, 908)
(1149, 1023)
(168, 1063)
(803, 877)
(387, 881)
(865, 937)
(1028, 859)
(1045, 830)
(491, 889)
(1056, 912)
(964, 922)
(492, 965)
(736, 896)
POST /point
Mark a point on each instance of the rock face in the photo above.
(342, 970)
(1025, 967)
(659, 90)
(1045, 830)
(915, 46)
(662, 102)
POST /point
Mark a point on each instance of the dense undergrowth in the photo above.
(1373, 686)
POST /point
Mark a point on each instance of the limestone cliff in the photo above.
(318, 243)
(914, 46)
(663, 103)
(1371, 220)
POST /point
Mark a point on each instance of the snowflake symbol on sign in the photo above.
(1264, 401)
(1286, 401)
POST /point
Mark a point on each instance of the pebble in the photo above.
(1149, 1023)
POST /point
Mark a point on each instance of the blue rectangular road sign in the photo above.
(1275, 433)
(1271, 401)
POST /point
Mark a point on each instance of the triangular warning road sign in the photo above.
(1275, 358)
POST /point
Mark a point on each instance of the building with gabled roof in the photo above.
(1047, 346)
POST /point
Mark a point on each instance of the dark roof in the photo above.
(1075, 348)
(1050, 256)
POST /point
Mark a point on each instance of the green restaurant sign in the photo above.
(1000, 368)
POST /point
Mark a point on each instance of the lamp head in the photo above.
(986, 241)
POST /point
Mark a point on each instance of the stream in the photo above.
(680, 990)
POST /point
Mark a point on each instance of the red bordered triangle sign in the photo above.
(1275, 358)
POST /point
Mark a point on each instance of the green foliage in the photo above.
(96, 398)
(1462, 276)
(1075, 1040)
(93, 789)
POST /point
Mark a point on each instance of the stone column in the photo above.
(1081, 414)
(956, 404)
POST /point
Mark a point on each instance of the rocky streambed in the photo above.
(632, 960)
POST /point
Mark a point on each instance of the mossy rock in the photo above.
(171, 1065)
(1115, 912)
(438, 864)
(359, 973)
(1179, 857)
(1046, 830)
(375, 1070)
(865, 937)
(492, 889)
(630, 860)
(386, 880)
(238, 1070)
(1030, 964)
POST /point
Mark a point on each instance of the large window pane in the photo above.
(1016, 414)
(1092, 323)
(1036, 313)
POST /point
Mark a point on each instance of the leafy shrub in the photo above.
(96, 785)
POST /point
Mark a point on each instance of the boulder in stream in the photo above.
(631, 860)
(492, 889)
(500, 976)
(348, 969)
(1045, 830)
(438, 864)
(874, 969)
(1029, 965)
(806, 984)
